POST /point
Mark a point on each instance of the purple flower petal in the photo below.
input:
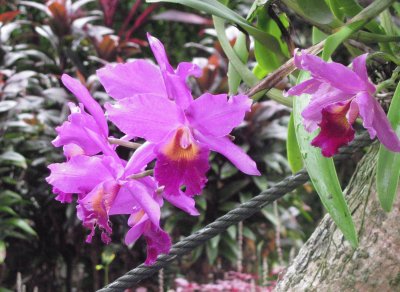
(145, 115)
(140, 158)
(181, 161)
(95, 206)
(125, 80)
(145, 200)
(323, 97)
(216, 115)
(158, 242)
(73, 132)
(234, 153)
(183, 202)
(376, 122)
(139, 222)
(83, 95)
(336, 130)
(309, 86)
(360, 68)
(80, 175)
(176, 85)
(186, 69)
(335, 74)
(71, 150)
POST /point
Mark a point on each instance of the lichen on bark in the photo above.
(328, 263)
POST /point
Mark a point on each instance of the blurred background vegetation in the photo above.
(40, 238)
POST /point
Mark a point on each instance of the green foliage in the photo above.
(322, 172)
(388, 167)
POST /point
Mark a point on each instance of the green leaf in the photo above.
(8, 198)
(292, 148)
(342, 8)
(336, 39)
(2, 251)
(249, 234)
(233, 58)
(240, 49)
(388, 168)
(13, 158)
(265, 57)
(7, 210)
(19, 223)
(322, 172)
(318, 35)
(317, 10)
(212, 252)
(216, 8)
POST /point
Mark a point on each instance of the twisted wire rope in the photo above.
(234, 216)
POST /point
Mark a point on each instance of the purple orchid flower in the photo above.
(339, 96)
(156, 104)
(102, 182)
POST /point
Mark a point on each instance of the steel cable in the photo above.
(234, 216)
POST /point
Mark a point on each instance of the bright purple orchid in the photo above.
(102, 182)
(156, 104)
(339, 96)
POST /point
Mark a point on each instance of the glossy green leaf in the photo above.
(2, 251)
(317, 10)
(247, 76)
(265, 57)
(336, 39)
(212, 253)
(388, 169)
(317, 35)
(342, 8)
(240, 48)
(322, 172)
(292, 148)
(13, 158)
(7, 210)
(18, 223)
(216, 8)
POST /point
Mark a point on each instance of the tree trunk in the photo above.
(327, 262)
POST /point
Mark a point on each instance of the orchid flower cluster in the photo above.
(153, 103)
(338, 96)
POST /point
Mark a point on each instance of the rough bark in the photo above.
(327, 262)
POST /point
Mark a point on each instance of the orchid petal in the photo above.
(73, 132)
(216, 115)
(145, 200)
(323, 97)
(145, 115)
(183, 202)
(336, 130)
(158, 242)
(309, 86)
(360, 68)
(83, 95)
(234, 153)
(140, 158)
(136, 230)
(176, 85)
(125, 80)
(79, 175)
(186, 69)
(376, 122)
(337, 75)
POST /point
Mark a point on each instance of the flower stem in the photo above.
(123, 143)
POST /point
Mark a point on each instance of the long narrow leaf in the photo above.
(322, 172)
(292, 148)
(216, 8)
(388, 169)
